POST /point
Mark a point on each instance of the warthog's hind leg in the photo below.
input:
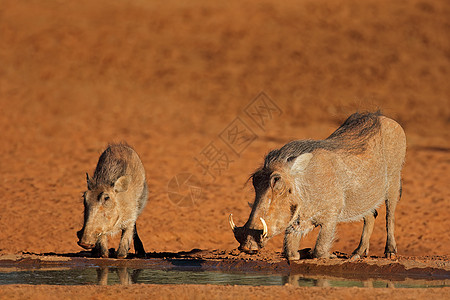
(363, 248)
(138, 246)
(393, 195)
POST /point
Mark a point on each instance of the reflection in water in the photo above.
(300, 280)
(124, 276)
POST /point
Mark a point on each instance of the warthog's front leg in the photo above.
(101, 247)
(292, 244)
(293, 236)
(325, 240)
(125, 241)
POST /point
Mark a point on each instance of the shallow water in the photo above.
(125, 276)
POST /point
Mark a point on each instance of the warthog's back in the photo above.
(119, 160)
(351, 138)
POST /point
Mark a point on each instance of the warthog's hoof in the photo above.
(121, 253)
(101, 253)
(141, 255)
(292, 256)
(391, 255)
(354, 257)
(314, 254)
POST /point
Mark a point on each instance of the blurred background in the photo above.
(170, 77)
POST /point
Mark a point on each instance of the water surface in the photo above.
(117, 275)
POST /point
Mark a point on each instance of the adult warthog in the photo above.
(321, 183)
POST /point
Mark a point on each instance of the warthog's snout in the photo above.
(85, 246)
(81, 243)
(250, 240)
(250, 246)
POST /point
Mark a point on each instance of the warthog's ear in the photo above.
(121, 184)
(301, 162)
(89, 182)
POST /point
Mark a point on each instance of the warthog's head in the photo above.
(276, 203)
(101, 210)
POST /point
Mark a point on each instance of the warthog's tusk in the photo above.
(230, 219)
(264, 235)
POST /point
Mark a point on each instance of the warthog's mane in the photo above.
(112, 164)
(352, 137)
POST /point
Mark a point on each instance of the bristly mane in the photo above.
(112, 164)
(351, 136)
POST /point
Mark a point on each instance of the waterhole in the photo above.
(126, 276)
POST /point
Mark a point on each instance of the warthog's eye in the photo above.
(274, 180)
(102, 197)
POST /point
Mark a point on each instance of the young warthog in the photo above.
(321, 183)
(116, 195)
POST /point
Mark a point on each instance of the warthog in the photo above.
(312, 183)
(115, 196)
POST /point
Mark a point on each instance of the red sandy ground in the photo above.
(169, 78)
